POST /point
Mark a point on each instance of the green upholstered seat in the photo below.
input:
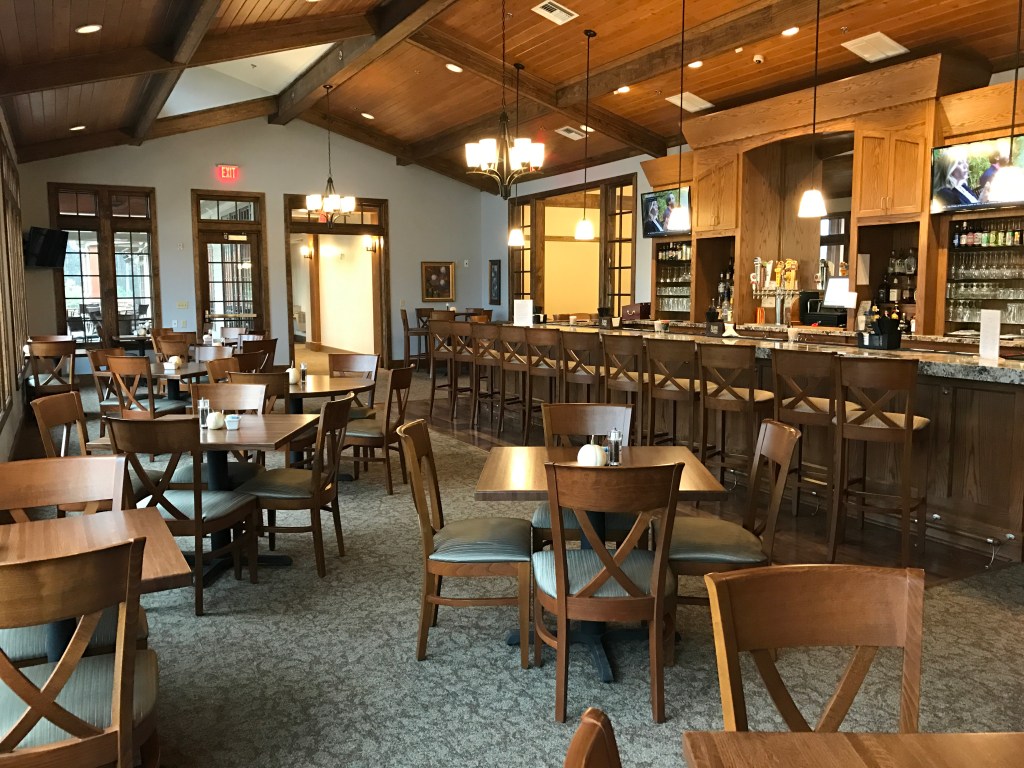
(710, 540)
(87, 695)
(138, 490)
(216, 504)
(29, 643)
(542, 519)
(163, 405)
(238, 472)
(280, 484)
(483, 540)
(360, 412)
(364, 428)
(584, 564)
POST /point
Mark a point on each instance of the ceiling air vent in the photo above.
(570, 133)
(555, 12)
(875, 47)
(691, 102)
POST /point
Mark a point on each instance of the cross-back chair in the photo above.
(94, 482)
(266, 348)
(672, 378)
(275, 385)
(136, 396)
(623, 371)
(51, 367)
(356, 365)
(219, 369)
(103, 381)
(366, 435)
(593, 745)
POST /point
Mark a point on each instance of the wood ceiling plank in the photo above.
(394, 23)
(536, 89)
(85, 69)
(278, 36)
(71, 145)
(467, 132)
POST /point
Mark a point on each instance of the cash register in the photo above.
(829, 311)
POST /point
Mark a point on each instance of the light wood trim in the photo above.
(663, 172)
(981, 113)
(260, 39)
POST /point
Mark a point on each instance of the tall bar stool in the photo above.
(727, 378)
(805, 396)
(874, 384)
(486, 368)
(623, 369)
(581, 364)
(420, 335)
(440, 354)
(543, 361)
(462, 355)
(672, 377)
(514, 362)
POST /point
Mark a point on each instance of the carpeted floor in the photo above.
(301, 671)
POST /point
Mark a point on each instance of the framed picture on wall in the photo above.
(494, 282)
(438, 280)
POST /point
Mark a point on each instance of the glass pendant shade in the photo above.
(812, 205)
(584, 230)
(347, 204)
(313, 202)
(679, 219)
(515, 238)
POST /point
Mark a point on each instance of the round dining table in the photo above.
(322, 385)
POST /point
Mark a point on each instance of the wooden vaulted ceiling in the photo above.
(387, 59)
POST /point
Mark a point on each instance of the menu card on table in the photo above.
(988, 349)
(522, 312)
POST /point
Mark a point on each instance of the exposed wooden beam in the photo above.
(393, 23)
(260, 39)
(186, 43)
(484, 126)
(577, 164)
(71, 145)
(112, 65)
(749, 24)
(535, 89)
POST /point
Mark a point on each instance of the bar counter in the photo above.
(975, 441)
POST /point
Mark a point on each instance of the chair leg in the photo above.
(387, 472)
(271, 535)
(428, 613)
(238, 542)
(538, 644)
(906, 472)
(149, 750)
(527, 407)
(561, 667)
(253, 540)
(655, 642)
(401, 462)
(433, 387)
(318, 542)
(524, 615)
(336, 512)
(651, 418)
(197, 573)
(838, 496)
(434, 607)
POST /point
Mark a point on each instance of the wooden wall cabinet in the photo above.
(889, 168)
(715, 195)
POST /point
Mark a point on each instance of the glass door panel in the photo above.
(232, 286)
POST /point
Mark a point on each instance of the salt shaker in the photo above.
(614, 447)
(203, 408)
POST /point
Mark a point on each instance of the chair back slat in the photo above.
(593, 745)
(726, 374)
(426, 493)
(94, 481)
(801, 380)
(577, 423)
(544, 351)
(330, 440)
(623, 362)
(250, 362)
(440, 339)
(486, 347)
(275, 385)
(220, 369)
(355, 365)
(101, 377)
(773, 459)
(266, 348)
(232, 398)
(62, 411)
(672, 368)
(462, 342)
(129, 375)
(395, 383)
(52, 364)
(514, 355)
(208, 352)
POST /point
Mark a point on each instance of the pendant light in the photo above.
(504, 159)
(679, 217)
(330, 203)
(1008, 183)
(515, 233)
(812, 203)
(584, 227)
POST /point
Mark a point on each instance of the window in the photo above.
(108, 288)
(13, 312)
(835, 239)
(519, 258)
(618, 272)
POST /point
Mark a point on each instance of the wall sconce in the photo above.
(370, 243)
(306, 252)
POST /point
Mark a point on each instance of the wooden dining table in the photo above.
(516, 473)
(853, 750)
(322, 385)
(174, 376)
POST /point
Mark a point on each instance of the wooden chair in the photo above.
(486, 368)
(476, 547)
(702, 545)
(366, 435)
(574, 424)
(107, 704)
(315, 489)
(103, 381)
(51, 367)
(232, 334)
(220, 369)
(175, 348)
(727, 385)
(423, 316)
(623, 370)
(544, 362)
(581, 364)
(626, 584)
(275, 385)
(50, 337)
(89, 482)
(440, 354)
(244, 337)
(267, 348)
(484, 314)
(799, 606)
(355, 365)
(672, 378)
(133, 385)
(207, 352)
(446, 315)
(461, 357)
(514, 364)
(250, 362)
(593, 745)
(192, 512)
(408, 335)
(874, 386)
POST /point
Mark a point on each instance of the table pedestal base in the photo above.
(593, 635)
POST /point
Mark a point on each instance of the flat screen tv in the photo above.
(655, 208)
(45, 248)
(977, 175)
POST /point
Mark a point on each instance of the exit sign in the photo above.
(227, 172)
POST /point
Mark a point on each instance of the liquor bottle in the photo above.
(721, 286)
(894, 289)
(984, 237)
(956, 235)
(882, 294)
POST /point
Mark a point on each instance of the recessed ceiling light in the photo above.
(695, 64)
(622, 89)
(77, 128)
(367, 115)
(790, 32)
(453, 68)
(88, 29)
(586, 129)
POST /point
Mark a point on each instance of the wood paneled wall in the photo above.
(13, 312)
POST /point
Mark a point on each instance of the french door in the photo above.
(231, 292)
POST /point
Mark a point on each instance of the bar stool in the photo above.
(875, 384)
(581, 364)
(623, 364)
(672, 377)
(486, 366)
(408, 335)
(805, 396)
(543, 360)
(723, 370)
(440, 353)
(514, 361)
(462, 354)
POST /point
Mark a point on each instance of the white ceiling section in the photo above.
(230, 82)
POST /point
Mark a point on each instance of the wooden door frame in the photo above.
(381, 268)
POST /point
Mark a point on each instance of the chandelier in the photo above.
(330, 203)
(504, 159)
